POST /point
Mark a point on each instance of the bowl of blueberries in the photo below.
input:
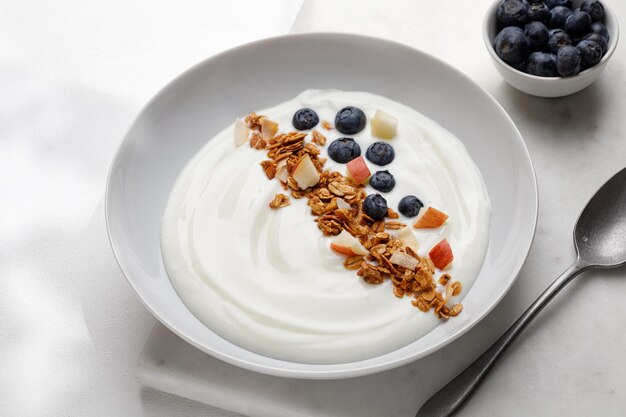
(550, 48)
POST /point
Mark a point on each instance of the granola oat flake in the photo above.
(265, 240)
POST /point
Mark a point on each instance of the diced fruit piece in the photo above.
(375, 206)
(281, 171)
(383, 181)
(342, 204)
(441, 254)
(343, 150)
(305, 173)
(404, 260)
(305, 119)
(410, 206)
(380, 153)
(358, 170)
(431, 219)
(268, 128)
(347, 244)
(350, 120)
(241, 132)
(407, 238)
(384, 125)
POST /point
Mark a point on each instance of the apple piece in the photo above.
(305, 173)
(358, 170)
(241, 132)
(407, 238)
(268, 128)
(281, 171)
(342, 204)
(404, 260)
(441, 254)
(430, 219)
(384, 125)
(347, 244)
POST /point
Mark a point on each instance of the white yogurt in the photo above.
(268, 281)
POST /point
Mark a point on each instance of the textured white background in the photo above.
(73, 75)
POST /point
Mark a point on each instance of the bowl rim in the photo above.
(489, 19)
(321, 374)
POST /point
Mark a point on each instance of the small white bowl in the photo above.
(548, 86)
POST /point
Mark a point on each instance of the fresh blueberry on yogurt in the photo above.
(344, 150)
(382, 181)
(350, 120)
(380, 153)
(375, 206)
(410, 206)
(305, 119)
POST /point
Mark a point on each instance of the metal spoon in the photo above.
(600, 240)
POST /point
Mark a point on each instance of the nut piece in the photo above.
(241, 132)
(305, 173)
(432, 218)
(404, 260)
(280, 200)
(384, 125)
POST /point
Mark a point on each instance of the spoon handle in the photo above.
(452, 397)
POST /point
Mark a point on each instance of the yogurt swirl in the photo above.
(267, 280)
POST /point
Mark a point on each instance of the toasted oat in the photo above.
(392, 214)
(254, 121)
(353, 262)
(318, 138)
(444, 278)
(326, 125)
(394, 225)
(269, 168)
(280, 200)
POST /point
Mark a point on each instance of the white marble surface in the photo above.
(73, 76)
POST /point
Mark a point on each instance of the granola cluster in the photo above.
(336, 202)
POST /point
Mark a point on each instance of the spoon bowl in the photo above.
(600, 233)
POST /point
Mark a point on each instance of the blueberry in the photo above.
(578, 24)
(599, 40)
(380, 153)
(590, 53)
(600, 29)
(350, 120)
(305, 119)
(542, 64)
(558, 16)
(410, 206)
(557, 38)
(512, 45)
(512, 12)
(539, 12)
(594, 8)
(556, 3)
(344, 150)
(537, 34)
(382, 181)
(375, 206)
(568, 61)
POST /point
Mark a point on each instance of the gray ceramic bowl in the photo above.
(548, 86)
